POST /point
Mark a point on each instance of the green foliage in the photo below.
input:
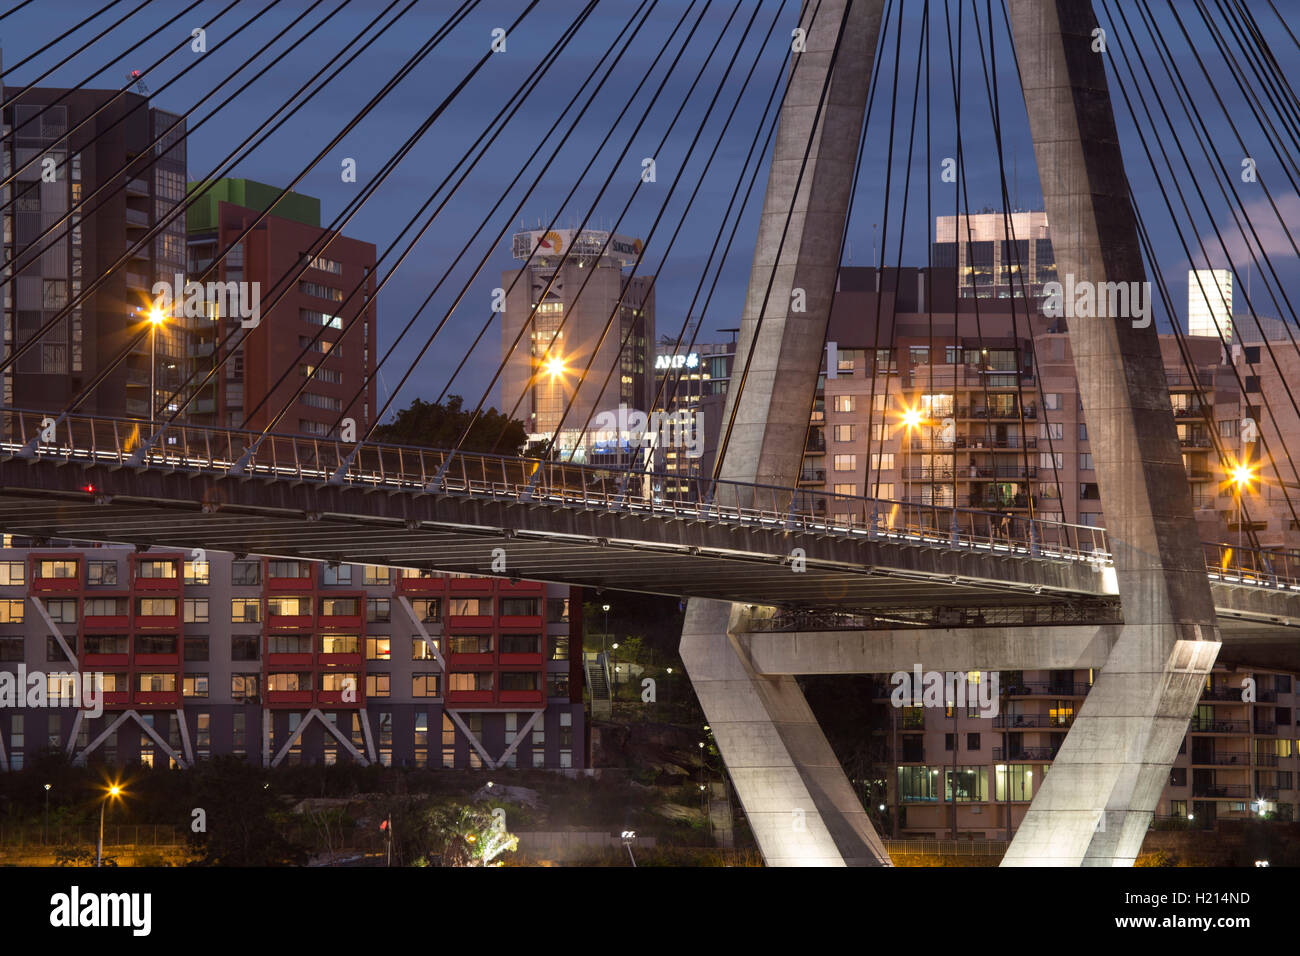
(435, 425)
(468, 835)
(80, 856)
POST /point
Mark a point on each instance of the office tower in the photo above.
(1209, 303)
(585, 327)
(997, 255)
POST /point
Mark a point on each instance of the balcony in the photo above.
(1024, 753)
(334, 698)
(523, 697)
(1032, 721)
(421, 586)
(289, 698)
(1047, 689)
(1199, 726)
(1194, 441)
(1225, 692)
(1221, 759)
(813, 476)
(1232, 791)
(138, 218)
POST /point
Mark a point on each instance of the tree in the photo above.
(244, 821)
(435, 425)
(468, 835)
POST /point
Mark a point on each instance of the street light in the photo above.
(113, 791)
(614, 647)
(156, 318)
(1241, 476)
(46, 828)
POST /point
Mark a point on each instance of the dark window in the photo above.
(1178, 777)
(949, 741)
(155, 643)
(196, 648)
(244, 647)
(1252, 354)
(246, 573)
(521, 644)
(972, 741)
(1252, 383)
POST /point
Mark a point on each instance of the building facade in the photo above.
(125, 161)
(286, 661)
(577, 334)
(950, 400)
(1239, 759)
(328, 311)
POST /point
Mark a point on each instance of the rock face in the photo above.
(520, 795)
(670, 752)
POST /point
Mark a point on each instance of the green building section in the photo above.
(202, 215)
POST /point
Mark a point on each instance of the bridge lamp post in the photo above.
(1240, 477)
(912, 419)
(156, 319)
(112, 792)
(614, 648)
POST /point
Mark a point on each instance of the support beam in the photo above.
(369, 737)
(522, 733)
(71, 746)
(343, 739)
(185, 735)
(941, 649)
(474, 741)
(801, 807)
(294, 737)
(91, 747)
(799, 804)
(1095, 806)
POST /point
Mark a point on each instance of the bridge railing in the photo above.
(137, 443)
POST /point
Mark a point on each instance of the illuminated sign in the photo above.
(690, 360)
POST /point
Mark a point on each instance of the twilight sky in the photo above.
(616, 145)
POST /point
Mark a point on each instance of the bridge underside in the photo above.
(627, 551)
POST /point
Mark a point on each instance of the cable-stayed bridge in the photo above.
(781, 580)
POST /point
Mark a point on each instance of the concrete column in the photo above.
(802, 809)
(1097, 802)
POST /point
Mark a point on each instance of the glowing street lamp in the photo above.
(113, 792)
(555, 367)
(1241, 475)
(156, 318)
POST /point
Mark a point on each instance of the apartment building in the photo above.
(317, 326)
(933, 398)
(288, 661)
(94, 172)
(1240, 757)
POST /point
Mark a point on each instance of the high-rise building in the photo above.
(997, 255)
(279, 244)
(585, 332)
(691, 386)
(235, 655)
(1209, 303)
(132, 161)
(998, 422)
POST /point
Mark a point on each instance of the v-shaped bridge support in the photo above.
(1097, 802)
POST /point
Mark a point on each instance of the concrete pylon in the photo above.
(1096, 804)
(800, 806)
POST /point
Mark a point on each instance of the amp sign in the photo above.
(690, 360)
